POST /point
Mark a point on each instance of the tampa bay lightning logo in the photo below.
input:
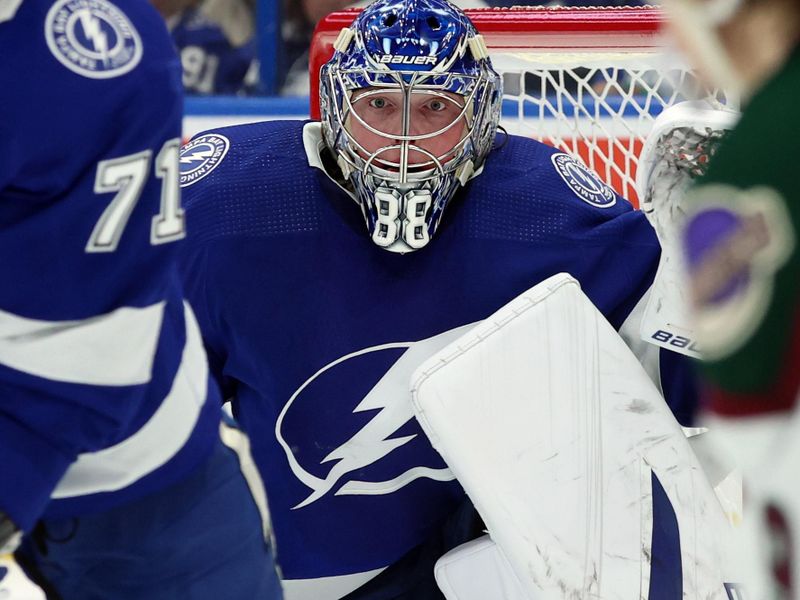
(201, 156)
(92, 38)
(372, 445)
(583, 181)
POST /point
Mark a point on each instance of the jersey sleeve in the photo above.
(193, 265)
(92, 329)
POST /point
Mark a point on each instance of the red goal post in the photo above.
(589, 81)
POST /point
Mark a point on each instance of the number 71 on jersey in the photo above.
(127, 176)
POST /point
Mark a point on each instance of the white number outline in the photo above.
(169, 224)
(390, 203)
(199, 69)
(127, 176)
(413, 204)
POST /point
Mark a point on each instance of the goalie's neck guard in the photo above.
(415, 51)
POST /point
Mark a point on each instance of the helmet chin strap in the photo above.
(697, 22)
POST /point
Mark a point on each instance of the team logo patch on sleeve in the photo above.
(201, 156)
(583, 181)
(92, 38)
(734, 242)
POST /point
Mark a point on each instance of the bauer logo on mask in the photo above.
(407, 60)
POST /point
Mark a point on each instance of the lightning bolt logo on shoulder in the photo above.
(201, 156)
(92, 38)
(583, 181)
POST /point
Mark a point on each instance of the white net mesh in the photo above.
(596, 106)
(589, 81)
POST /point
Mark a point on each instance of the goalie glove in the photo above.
(683, 139)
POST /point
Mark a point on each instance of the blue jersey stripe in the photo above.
(666, 578)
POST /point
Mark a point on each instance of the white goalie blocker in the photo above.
(565, 446)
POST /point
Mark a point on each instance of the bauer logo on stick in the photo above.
(581, 180)
(201, 156)
(92, 38)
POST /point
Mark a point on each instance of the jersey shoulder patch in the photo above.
(583, 181)
(243, 147)
(201, 156)
(93, 39)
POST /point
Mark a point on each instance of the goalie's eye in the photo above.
(378, 102)
(437, 105)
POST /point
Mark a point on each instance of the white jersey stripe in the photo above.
(114, 349)
(236, 440)
(8, 8)
(325, 588)
(158, 440)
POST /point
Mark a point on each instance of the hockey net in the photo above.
(589, 81)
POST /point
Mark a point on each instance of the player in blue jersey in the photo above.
(216, 43)
(114, 461)
(330, 259)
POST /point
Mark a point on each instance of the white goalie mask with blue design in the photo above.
(410, 105)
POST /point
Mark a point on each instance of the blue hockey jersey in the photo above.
(212, 63)
(314, 331)
(104, 392)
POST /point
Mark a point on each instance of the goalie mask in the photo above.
(410, 105)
